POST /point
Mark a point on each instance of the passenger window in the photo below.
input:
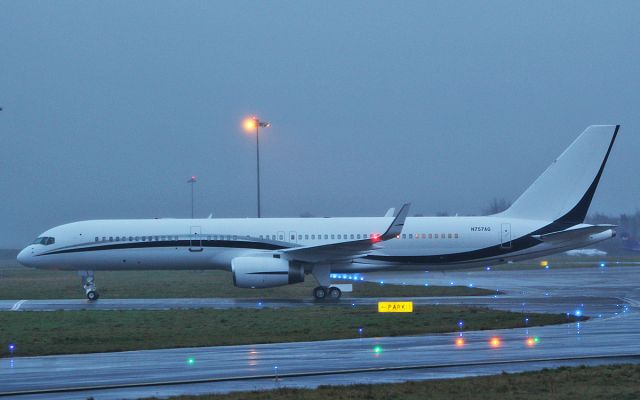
(353, 236)
(96, 238)
(455, 236)
(326, 237)
(299, 237)
(339, 236)
(313, 237)
(450, 236)
(424, 235)
(435, 236)
(430, 236)
(442, 236)
(111, 238)
(411, 236)
(358, 236)
(306, 237)
(404, 235)
(366, 235)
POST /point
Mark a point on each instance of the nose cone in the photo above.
(25, 257)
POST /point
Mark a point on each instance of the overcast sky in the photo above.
(110, 107)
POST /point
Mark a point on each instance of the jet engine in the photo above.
(264, 272)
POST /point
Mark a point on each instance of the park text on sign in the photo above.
(395, 306)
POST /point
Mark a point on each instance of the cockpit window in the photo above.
(45, 240)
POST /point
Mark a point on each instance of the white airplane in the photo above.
(268, 252)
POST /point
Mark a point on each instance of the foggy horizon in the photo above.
(109, 108)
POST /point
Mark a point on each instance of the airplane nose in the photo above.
(24, 256)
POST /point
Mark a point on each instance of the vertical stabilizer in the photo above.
(564, 191)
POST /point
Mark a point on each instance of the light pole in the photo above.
(250, 124)
(192, 181)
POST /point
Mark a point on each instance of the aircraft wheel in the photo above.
(335, 293)
(92, 295)
(320, 293)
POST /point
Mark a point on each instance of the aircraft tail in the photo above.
(564, 191)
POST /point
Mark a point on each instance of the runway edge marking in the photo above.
(305, 374)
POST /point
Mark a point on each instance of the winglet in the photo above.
(390, 212)
(398, 223)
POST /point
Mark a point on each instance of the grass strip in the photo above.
(65, 332)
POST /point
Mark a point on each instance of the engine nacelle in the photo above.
(264, 272)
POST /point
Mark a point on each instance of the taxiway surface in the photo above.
(610, 295)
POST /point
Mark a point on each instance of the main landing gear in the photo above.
(89, 285)
(327, 293)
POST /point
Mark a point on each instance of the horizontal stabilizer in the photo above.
(573, 233)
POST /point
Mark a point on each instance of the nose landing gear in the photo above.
(89, 285)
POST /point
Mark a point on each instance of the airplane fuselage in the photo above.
(431, 243)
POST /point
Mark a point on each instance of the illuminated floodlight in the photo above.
(578, 313)
(488, 268)
(495, 342)
(459, 342)
(602, 265)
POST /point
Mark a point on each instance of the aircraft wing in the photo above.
(573, 233)
(341, 251)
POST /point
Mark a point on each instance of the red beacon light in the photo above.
(375, 237)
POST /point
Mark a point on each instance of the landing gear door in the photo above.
(195, 239)
(506, 236)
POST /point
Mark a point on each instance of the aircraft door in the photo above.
(506, 236)
(195, 239)
(293, 237)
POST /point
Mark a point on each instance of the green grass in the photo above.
(26, 283)
(63, 332)
(618, 382)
